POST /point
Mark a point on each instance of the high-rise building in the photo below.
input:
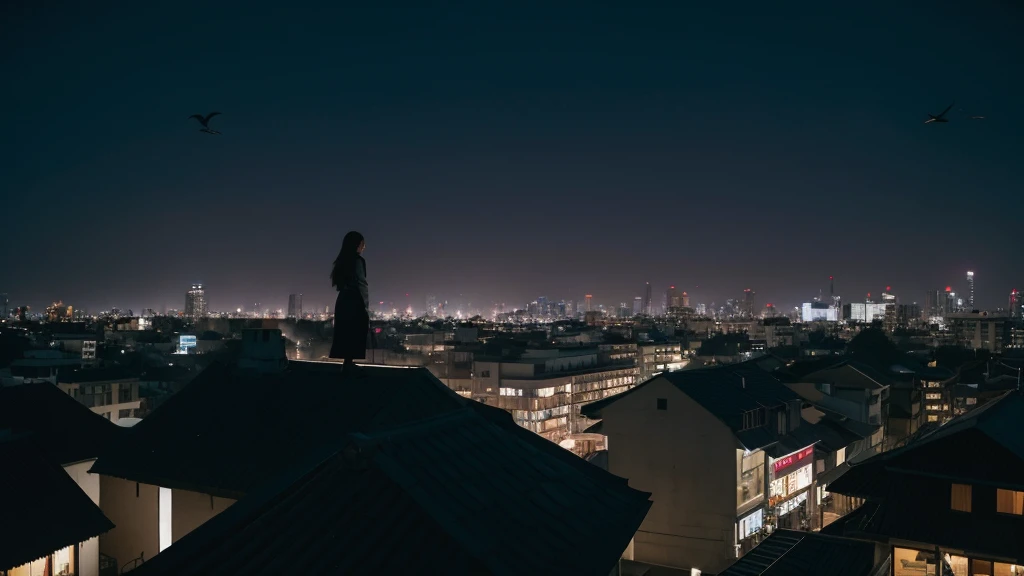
(970, 290)
(672, 298)
(638, 306)
(932, 306)
(1015, 304)
(748, 303)
(685, 300)
(648, 304)
(295, 306)
(589, 302)
(195, 303)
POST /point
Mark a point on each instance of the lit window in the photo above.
(1010, 502)
(961, 497)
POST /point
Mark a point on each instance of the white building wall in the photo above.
(89, 551)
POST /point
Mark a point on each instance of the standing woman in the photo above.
(352, 310)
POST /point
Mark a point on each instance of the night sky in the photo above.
(556, 149)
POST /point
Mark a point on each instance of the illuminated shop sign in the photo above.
(794, 459)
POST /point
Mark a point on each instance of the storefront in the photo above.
(750, 530)
(791, 478)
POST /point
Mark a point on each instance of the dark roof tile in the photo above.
(793, 553)
(64, 429)
(43, 508)
(456, 494)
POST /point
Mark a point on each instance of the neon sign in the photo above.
(792, 459)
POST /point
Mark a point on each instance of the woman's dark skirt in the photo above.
(351, 327)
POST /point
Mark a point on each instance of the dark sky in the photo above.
(555, 148)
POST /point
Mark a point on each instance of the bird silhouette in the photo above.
(205, 122)
(940, 118)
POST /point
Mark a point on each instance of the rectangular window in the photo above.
(1010, 502)
(910, 562)
(662, 403)
(960, 497)
(1007, 569)
(933, 396)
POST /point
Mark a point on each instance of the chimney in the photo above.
(263, 350)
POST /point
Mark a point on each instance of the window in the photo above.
(662, 403)
(1009, 502)
(933, 418)
(960, 499)
(485, 373)
(933, 396)
(124, 413)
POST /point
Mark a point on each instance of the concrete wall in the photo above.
(89, 551)
(135, 515)
(190, 510)
(686, 458)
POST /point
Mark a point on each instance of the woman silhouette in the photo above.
(352, 310)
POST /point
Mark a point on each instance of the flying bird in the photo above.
(205, 122)
(940, 118)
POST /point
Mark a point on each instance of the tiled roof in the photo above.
(229, 428)
(920, 513)
(849, 374)
(63, 429)
(44, 510)
(793, 553)
(727, 392)
(455, 494)
(983, 446)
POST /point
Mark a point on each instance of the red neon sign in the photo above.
(793, 458)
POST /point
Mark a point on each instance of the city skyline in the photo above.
(420, 303)
(505, 154)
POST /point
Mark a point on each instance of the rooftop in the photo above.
(794, 553)
(984, 446)
(44, 509)
(228, 428)
(727, 392)
(64, 430)
(455, 494)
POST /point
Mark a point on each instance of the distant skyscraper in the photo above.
(295, 306)
(638, 306)
(648, 304)
(748, 303)
(970, 290)
(589, 302)
(932, 303)
(685, 300)
(672, 299)
(195, 303)
(1015, 303)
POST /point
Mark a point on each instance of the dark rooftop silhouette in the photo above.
(44, 510)
(797, 553)
(63, 430)
(453, 494)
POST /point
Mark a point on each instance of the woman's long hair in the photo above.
(345, 263)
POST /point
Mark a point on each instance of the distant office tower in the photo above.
(1015, 304)
(432, 306)
(589, 302)
(672, 298)
(748, 303)
(931, 304)
(949, 304)
(295, 306)
(685, 300)
(195, 303)
(970, 290)
(638, 306)
(647, 300)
